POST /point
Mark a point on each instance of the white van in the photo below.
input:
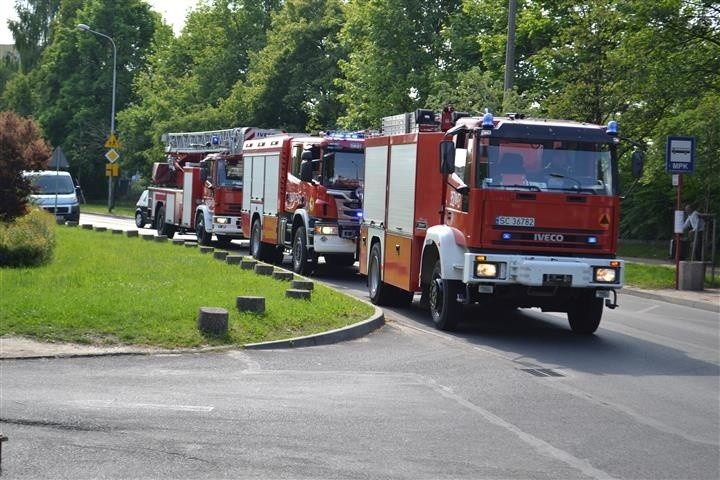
(55, 192)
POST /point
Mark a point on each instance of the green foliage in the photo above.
(291, 81)
(28, 241)
(33, 28)
(21, 148)
(102, 293)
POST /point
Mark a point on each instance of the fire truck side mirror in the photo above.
(447, 157)
(638, 160)
(306, 171)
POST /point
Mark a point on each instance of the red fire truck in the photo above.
(478, 210)
(302, 193)
(199, 188)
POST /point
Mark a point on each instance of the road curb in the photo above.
(676, 301)
(350, 332)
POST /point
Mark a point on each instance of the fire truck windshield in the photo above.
(229, 173)
(344, 169)
(549, 166)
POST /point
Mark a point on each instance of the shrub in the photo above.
(29, 241)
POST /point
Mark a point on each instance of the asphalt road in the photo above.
(510, 395)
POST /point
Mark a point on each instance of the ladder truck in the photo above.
(302, 194)
(198, 188)
(478, 210)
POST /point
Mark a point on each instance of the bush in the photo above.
(29, 241)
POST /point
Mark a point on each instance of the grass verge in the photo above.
(108, 289)
(124, 208)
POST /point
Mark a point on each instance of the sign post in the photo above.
(679, 159)
(112, 143)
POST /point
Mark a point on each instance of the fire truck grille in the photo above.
(233, 208)
(549, 238)
(348, 205)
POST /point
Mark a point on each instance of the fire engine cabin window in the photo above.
(230, 173)
(344, 169)
(577, 167)
(296, 159)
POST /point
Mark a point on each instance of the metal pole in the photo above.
(677, 235)
(85, 28)
(510, 47)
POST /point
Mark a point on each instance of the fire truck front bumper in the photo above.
(543, 271)
(334, 238)
(226, 225)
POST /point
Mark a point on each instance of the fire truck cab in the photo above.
(508, 212)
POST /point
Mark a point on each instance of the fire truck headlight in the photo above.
(222, 220)
(486, 270)
(605, 275)
(326, 230)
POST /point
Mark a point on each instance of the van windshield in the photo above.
(52, 184)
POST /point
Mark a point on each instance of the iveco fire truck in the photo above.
(510, 212)
(199, 187)
(303, 194)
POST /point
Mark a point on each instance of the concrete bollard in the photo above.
(101, 229)
(283, 275)
(132, 233)
(296, 293)
(204, 249)
(250, 304)
(213, 320)
(178, 241)
(191, 244)
(248, 263)
(160, 238)
(87, 226)
(691, 276)
(147, 237)
(303, 284)
(221, 255)
(263, 269)
(233, 259)
(71, 223)
(116, 231)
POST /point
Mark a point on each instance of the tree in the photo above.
(21, 148)
(395, 50)
(32, 30)
(73, 82)
(290, 84)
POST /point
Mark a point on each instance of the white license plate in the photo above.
(515, 221)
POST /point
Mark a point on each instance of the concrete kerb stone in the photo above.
(204, 249)
(248, 263)
(264, 269)
(672, 300)
(191, 244)
(220, 255)
(351, 332)
(116, 231)
(233, 259)
(132, 233)
(147, 237)
(100, 229)
(86, 226)
(160, 238)
(178, 241)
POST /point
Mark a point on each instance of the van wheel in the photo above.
(442, 298)
(140, 219)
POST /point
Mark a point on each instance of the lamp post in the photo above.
(85, 28)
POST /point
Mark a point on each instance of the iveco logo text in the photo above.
(549, 237)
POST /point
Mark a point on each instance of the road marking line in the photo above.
(152, 406)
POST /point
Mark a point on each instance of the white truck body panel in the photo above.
(375, 193)
(401, 189)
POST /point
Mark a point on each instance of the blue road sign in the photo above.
(680, 155)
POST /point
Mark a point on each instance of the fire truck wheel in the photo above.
(442, 297)
(162, 227)
(300, 253)
(140, 219)
(585, 314)
(380, 292)
(203, 237)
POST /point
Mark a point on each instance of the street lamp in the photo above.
(85, 28)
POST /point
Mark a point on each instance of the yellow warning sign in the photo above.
(112, 169)
(112, 142)
(605, 220)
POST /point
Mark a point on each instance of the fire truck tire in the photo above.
(162, 227)
(300, 253)
(258, 249)
(140, 219)
(585, 314)
(380, 292)
(442, 298)
(203, 236)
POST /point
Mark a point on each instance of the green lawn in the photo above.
(105, 288)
